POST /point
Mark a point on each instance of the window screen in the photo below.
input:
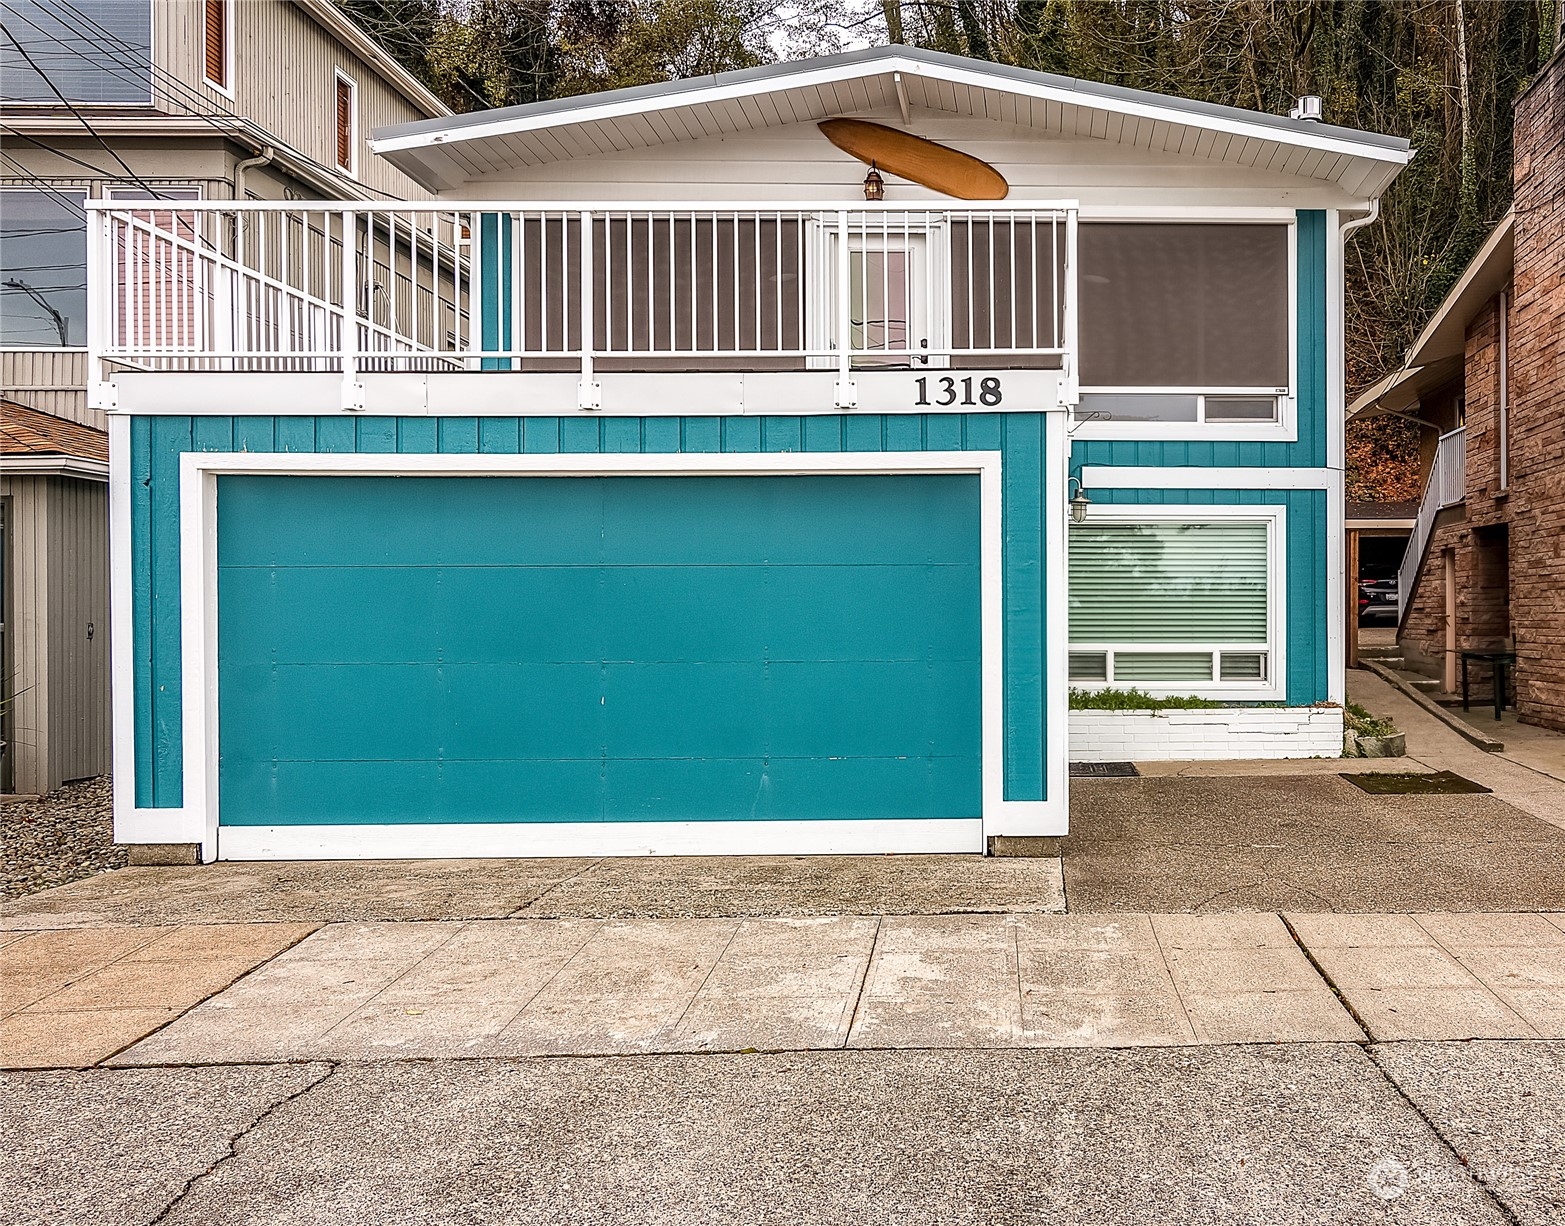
(1197, 306)
(43, 268)
(1169, 602)
(91, 50)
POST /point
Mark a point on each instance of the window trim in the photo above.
(352, 168)
(1275, 686)
(226, 86)
(1286, 428)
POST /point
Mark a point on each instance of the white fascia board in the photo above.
(53, 466)
(1165, 112)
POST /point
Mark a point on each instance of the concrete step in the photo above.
(1424, 685)
(1380, 651)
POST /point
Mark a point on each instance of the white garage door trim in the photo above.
(198, 818)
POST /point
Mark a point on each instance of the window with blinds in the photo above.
(1171, 603)
(345, 122)
(216, 42)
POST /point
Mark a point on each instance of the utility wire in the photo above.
(80, 118)
(106, 41)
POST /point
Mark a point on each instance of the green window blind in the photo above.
(1168, 583)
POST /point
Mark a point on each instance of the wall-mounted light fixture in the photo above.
(874, 185)
(1079, 501)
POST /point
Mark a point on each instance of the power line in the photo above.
(66, 102)
(106, 41)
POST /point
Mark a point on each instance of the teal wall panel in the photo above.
(719, 647)
(157, 442)
(1309, 450)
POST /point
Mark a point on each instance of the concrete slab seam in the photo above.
(233, 1143)
(705, 979)
(564, 881)
(459, 926)
(1168, 974)
(1489, 1194)
(858, 999)
(1326, 978)
(196, 1003)
(1462, 962)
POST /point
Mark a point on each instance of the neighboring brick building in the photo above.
(1485, 568)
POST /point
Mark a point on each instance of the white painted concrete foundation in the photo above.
(1217, 732)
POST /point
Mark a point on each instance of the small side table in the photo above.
(1501, 662)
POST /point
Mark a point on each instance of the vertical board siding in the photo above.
(50, 380)
(58, 546)
(157, 442)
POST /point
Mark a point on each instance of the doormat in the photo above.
(1103, 770)
(1437, 783)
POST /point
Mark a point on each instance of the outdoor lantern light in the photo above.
(1079, 503)
(874, 185)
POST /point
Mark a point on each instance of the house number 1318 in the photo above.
(948, 388)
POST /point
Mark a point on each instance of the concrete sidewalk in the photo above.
(508, 988)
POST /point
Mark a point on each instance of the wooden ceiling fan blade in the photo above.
(937, 167)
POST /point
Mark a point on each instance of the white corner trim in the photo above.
(486, 839)
(199, 472)
(122, 654)
(1112, 477)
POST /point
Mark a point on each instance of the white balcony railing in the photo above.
(356, 287)
(1445, 487)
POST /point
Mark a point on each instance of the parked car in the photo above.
(1378, 603)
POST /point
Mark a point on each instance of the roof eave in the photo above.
(642, 100)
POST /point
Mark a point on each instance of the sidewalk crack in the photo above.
(1488, 1193)
(563, 881)
(233, 1143)
(1309, 956)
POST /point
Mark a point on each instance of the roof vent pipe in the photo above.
(1306, 107)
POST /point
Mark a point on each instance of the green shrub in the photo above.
(1136, 700)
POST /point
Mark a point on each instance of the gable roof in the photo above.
(444, 153)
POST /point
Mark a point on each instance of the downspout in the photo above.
(1350, 656)
(265, 159)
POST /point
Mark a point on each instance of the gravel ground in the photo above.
(62, 837)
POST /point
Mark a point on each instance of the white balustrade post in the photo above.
(1070, 383)
(352, 389)
(847, 392)
(589, 395)
(102, 286)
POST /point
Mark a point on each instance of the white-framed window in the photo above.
(43, 268)
(345, 123)
(217, 45)
(95, 52)
(1187, 328)
(1179, 600)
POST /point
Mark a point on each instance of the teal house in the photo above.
(693, 475)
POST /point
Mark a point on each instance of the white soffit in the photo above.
(445, 153)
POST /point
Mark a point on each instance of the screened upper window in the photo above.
(1198, 306)
(1170, 602)
(43, 269)
(92, 51)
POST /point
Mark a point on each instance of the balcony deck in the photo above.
(715, 308)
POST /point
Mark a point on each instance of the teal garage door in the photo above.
(605, 649)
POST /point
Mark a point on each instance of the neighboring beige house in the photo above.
(167, 99)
